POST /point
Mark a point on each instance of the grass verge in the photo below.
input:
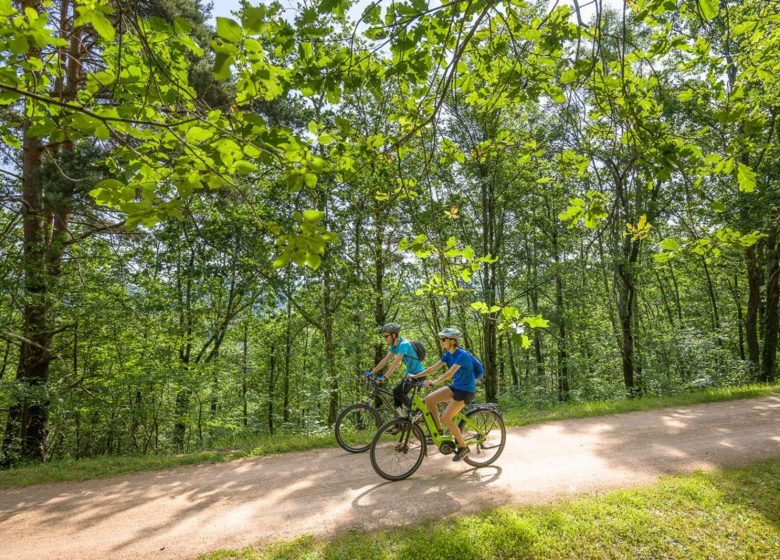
(85, 469)
(725, 515)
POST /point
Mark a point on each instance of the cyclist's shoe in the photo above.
(462, 452)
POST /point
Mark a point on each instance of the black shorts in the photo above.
(458, 395)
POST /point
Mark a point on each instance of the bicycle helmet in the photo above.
(390, 328)
(451, 333)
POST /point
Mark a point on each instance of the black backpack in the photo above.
(419, 348)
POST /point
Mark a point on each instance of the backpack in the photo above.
(479, 369)
(419, 348)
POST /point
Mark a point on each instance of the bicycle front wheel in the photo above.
(398, 449)
(486, 433)
(355, 426)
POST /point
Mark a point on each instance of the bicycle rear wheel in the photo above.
(398, 449)
(489, 433)
(355, 426)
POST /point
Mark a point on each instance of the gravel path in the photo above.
(184, 512)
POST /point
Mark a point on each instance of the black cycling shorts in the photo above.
(458, 395)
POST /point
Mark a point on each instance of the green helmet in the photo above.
(450, 333)
(391, 328)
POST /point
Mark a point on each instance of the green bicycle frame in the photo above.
(418, 405)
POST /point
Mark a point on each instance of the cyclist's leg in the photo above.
(449, 413)
(398, 394)
(438, 396)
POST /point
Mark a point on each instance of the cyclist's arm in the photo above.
(381, 364)
(393, 365)
(450, 372)
(428, 370)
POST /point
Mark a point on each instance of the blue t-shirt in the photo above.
(464, 378)
(413, 365)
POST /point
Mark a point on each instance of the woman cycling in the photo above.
(460, 393)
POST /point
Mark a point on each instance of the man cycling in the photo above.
(401, 350)
(460, 393)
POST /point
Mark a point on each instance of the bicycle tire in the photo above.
(397, 443)
(356, 424)
(492, 423)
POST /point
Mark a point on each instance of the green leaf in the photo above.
(742, 28)
(685, 95)
(222, 64)
(670, 244)
(480, 306)
(709, 8)
(103, 26)
(229, 30)
(313, 216)
(196, 135)
(106, 191)
(537, 322)
(337, 7)
(253, 19)
(718, 206)
(244, 167)
(313, 261)
(280, 261)
(12, 141)
(746, 178)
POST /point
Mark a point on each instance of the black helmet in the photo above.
(390, 328)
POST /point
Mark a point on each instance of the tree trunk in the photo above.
(769, 351)
(27, 421)
(740, 325)
(712, 296)
(665, 299)
(185, 350)
(626, 282)
(560, 312)
(244, 374)
(512, 366)
(288, 341)
(753, 306)
(271, 387)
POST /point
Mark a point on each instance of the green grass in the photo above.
(726, 515)
(86, 469)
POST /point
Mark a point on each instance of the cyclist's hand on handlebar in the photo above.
(427, 384)
(378, 379)
(368, 374)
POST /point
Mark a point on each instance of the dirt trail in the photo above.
(187, 511)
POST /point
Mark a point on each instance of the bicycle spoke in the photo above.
(355, 426)
(484, 430)
(397, 449)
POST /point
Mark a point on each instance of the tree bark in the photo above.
(770, 330)
(625, 278)
(753, 306)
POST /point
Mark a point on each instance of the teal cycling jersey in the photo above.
(404, 347)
